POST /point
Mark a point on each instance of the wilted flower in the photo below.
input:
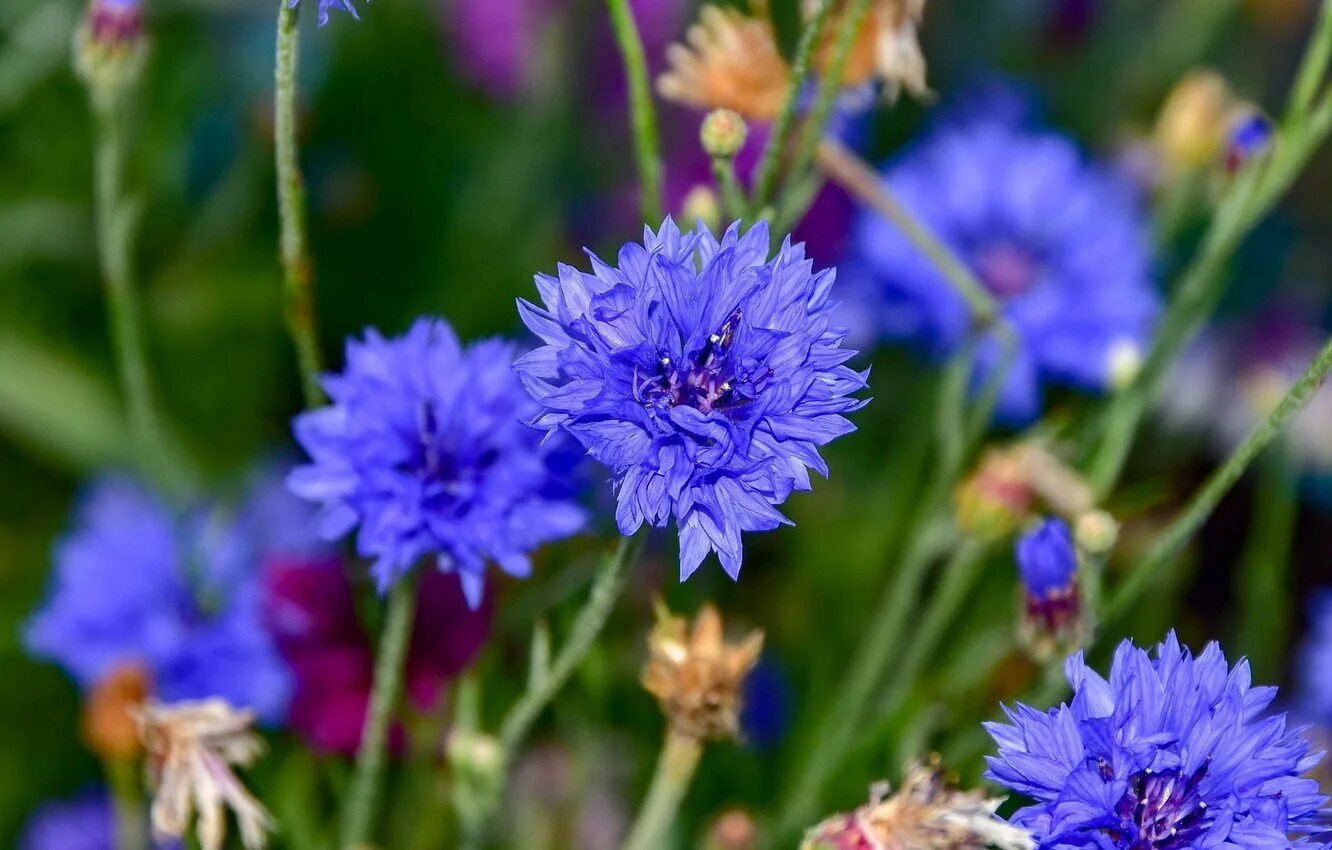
(325, 5)
(1047, 563)
(1171, 752)
(924, 814)
(732, 61)
(425, 448)
(1060, 244)
(177, 594)
(697, 676)
(192, 747)
(886, 49)
(704, 375)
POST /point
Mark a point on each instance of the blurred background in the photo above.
(453, 149)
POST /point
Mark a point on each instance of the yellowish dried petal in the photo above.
(729, 61)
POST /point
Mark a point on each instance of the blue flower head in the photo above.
(1315, 663)
(136, 583)
(426, 449)
(1171, 752)
(87, 822)
(703, 374)
(1046, 559)
(325, 5)
(1060, 244)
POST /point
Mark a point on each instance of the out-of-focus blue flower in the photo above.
(1315, 663)
(765, 716)
(135, 583)
(704, 375)
(325, 5)
(425, 447)
(1046, 559)
(84, 823)
(1059, 243)
(1169, 753)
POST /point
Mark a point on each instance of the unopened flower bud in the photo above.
(1123, 362)
(723, 133)
(475, 754)
(1249, 134)
(109, 46)
(701, 205)
(110, 723)
(734, 830)
(1190, 127)
(1047, 563)
(697, 676)
(994, 500)
(1096, 533)
(924, 814)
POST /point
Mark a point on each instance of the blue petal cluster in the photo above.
(703, 374)
(325, 5)
(137, 583)
(1315, 663)
(1046, 558)
(1171, 752)
(1060, 244)
(425, 447)
(84, 823)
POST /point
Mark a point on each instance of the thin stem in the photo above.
(363, 799)
(831, 82)
(1217, 485)
(606, 589)
(1314, 67)
(675, 771)
(117, 222)
(1263, 583)
(127, 798)
(777, 139)
(294, 247)
(851, 173)
(728, 187)
(642, 112)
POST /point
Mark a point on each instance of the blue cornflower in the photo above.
(704, 375)
(426, 449)
(84, 823)
(1046, 559)
(1171, 753)
(1060, 244)
(179, 594)
(1315, 663)
(325, 5)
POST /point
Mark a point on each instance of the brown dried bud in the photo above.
(925, 814)
(731, 61)
(697, 676)
(109, 726)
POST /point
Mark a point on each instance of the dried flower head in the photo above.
(925, 814)
(109, 725)
(697, 676)
(731, 61)
(192, 747)
(886, 49)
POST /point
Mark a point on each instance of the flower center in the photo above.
(705, 382)
(1160, 811)
(1006, 270)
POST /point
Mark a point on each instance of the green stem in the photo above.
(1315, 64)
(777, 138)
(1263, 583)
(675, 770)
(728, 187)
(117, 222)
(642, 112)
(606, 589)
(837, 733)
(829, 86)
(1217, 485)
(849, 171)
(363, 798)
(294, 247)
(127, 798)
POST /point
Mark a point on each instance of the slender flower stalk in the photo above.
(1262, 586)
(1315, 64)
(675, 771)
(642, 112)
(846, 169)
(294, 247)
(363, 799)
(128, 804)
(1200, 507)
(779, 136)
